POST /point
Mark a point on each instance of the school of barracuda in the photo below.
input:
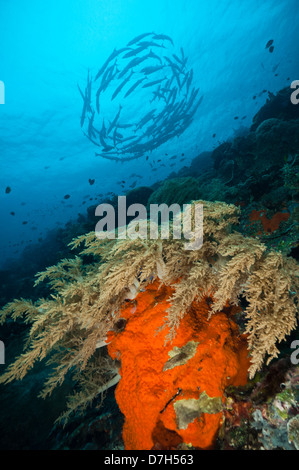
(149, 65)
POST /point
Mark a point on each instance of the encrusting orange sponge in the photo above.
(173, 393)
(269, 225)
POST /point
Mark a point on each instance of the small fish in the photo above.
(130, 65)
(275, 68)
(113, 124)
(163, 37)
(25, 222)
(91, 181)
(102, 140)
(8, 190)
(91, 132)
(98, 100)
(174, 66)
(150, 44)
(86, 99)
(152, 69)
(184, 80)
(103, 132)
(83, 114)
(138, 38)
(102, 69)
(12, 213)
(271, 49)
(124, 126)
(114, 136)
(120, 87)
(269, 43)
(67, 196)
(182, 61)
(114, 54)
(153, 83)
(155, 56)
(146, 118)
(189, 80)
(81, 92)
(134, 86)
(107, 148)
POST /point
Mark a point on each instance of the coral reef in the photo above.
(277, 419)
(277, 106)
(89, 300)
(271, 140)
(264, 413)
(177, 190)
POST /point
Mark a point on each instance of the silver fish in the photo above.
(113, 123)
(131, 64)
(150, 44)
(90, 131)
(135, 52)
(114, 54)
(155, 56)
(120, 87)
(152, 69)
(155, 82)
(86, 106)
(138, 38)
(134, 86)
(163, 37)
(146, 118)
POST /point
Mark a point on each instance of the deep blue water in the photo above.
(46, 51)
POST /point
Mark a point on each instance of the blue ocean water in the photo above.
(47, 49)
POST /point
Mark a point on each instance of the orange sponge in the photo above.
(173, 393)
(269, 225)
